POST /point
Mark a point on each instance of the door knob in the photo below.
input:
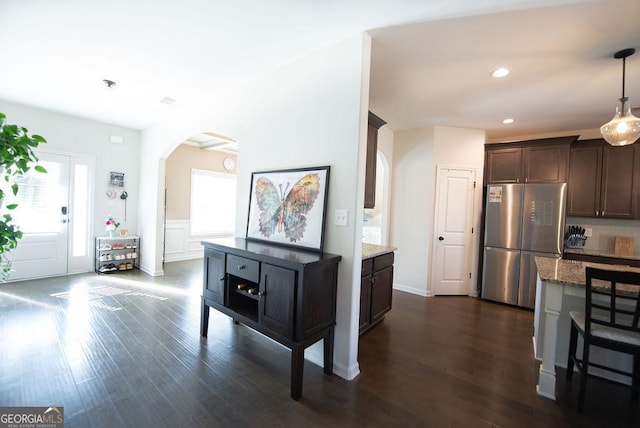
(440, 238)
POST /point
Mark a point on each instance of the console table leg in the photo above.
(204, 319)
(328, 351)
(297, 371)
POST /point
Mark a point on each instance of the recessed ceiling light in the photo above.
(500, 72)
(167, 100)
(508, 121)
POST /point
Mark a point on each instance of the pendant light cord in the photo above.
(624, 61)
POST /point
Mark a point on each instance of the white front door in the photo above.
(52, 245)
(453, 233)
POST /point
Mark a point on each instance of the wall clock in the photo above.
(229, 164)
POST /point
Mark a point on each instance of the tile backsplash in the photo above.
(605, 230)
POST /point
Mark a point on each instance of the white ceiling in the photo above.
(430, 58)
(564, 76)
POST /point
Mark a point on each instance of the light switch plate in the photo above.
(588, 231)
(341, 217)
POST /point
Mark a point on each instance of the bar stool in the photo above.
(611, 320)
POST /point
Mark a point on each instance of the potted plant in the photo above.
(16, 158)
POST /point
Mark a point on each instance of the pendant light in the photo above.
(624, 128)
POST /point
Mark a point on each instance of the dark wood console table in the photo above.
(286, 294)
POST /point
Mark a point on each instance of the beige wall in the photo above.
(178, 173)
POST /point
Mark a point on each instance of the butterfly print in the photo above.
(285, 212)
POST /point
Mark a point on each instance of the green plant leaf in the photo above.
(22, 164)
(17, 157)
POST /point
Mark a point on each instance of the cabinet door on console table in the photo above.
(277, 289)
(214, 275)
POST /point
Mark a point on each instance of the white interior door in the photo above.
(52, 244)
(453, 233)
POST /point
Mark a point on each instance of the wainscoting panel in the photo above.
(180, 245)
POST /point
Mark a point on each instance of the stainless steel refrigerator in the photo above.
(521, 221)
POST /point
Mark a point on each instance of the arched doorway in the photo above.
(199, 198)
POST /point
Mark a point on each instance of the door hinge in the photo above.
(474, 184)
(469, 275)
(472, 230)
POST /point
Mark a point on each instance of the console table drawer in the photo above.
(243, 268)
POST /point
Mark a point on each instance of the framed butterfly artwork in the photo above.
(288, 207)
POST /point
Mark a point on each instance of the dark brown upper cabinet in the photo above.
(604, 181)
(372, 152)
(533, 161)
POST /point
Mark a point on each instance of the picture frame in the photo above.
(116, 179)
(288, 207)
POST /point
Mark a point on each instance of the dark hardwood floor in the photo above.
(125, 350)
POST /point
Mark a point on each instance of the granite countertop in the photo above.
(372, 250)
(599, 253)
(571, 272)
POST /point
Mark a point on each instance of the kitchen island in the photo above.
(601, 256)
(560, 289)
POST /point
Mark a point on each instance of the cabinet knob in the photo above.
(262, 293)
(440, 238)
(221, 279)
(240, 267)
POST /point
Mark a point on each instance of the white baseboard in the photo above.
(412, 290)
(151, 272)
(347, 373)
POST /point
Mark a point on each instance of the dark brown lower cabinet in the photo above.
(376, 290)
(285, 294)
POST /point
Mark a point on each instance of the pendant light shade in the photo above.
(624, 128)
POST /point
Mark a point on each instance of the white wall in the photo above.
(417, 154)
(310, 113)
(385, 145)
(463, 147)
(72, 135)
(412, 189)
